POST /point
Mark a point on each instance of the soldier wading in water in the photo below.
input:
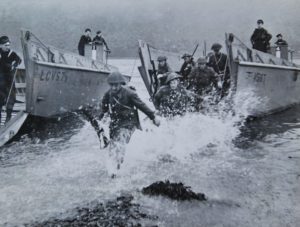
(121, 103)
(173, 99)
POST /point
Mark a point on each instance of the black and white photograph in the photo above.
(149, 113)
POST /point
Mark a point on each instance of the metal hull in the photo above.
(273, 88)
(58, 82)
(56, 90)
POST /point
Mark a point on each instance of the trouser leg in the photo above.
(117, 148)
(10, 104)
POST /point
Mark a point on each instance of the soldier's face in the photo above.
(5, 47)
(201, 65)
(162, 63)
(88, 33)
(259, 25)
(174, 84)
(187, 59)
(115, 87)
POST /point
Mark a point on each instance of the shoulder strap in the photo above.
(117, 101)
(10, 52)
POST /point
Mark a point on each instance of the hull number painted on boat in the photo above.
(53, 75)
(257, 77)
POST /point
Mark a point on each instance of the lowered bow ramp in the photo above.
(8, 131)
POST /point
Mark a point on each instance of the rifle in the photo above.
(153, 76)
(99, 130)
(195, 50)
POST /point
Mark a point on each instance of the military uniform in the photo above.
(202, 81)
(122, 108)
(218, 62)
(162, 70)
(260, 39)
(9, 60)
(83, 40)
(100, 41)
(171, 102)
(186, 69)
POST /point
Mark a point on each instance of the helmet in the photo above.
(161, 58)
(216, 46)
(172, 76)
(4, 39)
(201, 60)
(115, 78)
(186, 55)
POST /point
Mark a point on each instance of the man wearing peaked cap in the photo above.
(84, 39)
(280, 41)
(161, 58)
(99, 40)
(216, 46)
(9, 61)
(163, 69)
(260, 38)
(218, 61)
(187, 66)
(260, 21)
(4, 39)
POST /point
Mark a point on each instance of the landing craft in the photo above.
(273, 81)
(55, 82)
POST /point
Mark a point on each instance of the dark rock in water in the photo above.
(175, 191)
(119, 212)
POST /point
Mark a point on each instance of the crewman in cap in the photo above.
(162, 70)
(280, 42)
(121, 103)
(9, 61)
(84, 39)
(218, 61)
(99, 40)
(260, 38)
(187, 66)
(202, 79)
(173, 99)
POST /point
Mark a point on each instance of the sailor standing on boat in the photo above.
(9, 61)
(99, 40)
(122, 103)
(260, 38)
(280, 42)
(84, 39)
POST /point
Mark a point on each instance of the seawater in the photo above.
(249, 170)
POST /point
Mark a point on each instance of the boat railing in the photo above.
(240, 52)
(40, 52)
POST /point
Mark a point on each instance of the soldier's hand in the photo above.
(156, 121)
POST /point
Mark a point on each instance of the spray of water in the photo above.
(56, 182)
